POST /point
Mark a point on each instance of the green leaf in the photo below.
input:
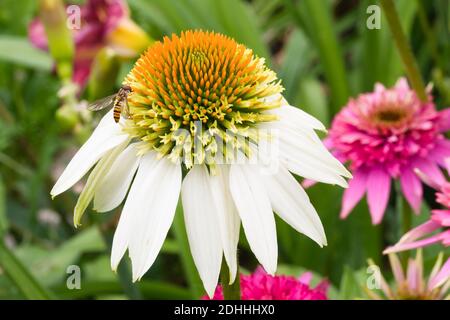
(190, 270)
(232, 17)
(18, 50)
(51, 267)
(293, 69)
(352, 283)
(316, 16)
(312, 99)
(20, 276)
(4, 225)
(378, 58)
(150, 289)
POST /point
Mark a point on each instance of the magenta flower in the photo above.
(103, 23)
(424, 235)
(262, 286)
(386, 135)
(411, 284)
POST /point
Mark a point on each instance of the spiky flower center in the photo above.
(404, 292)
(390, 116)
(194, 92)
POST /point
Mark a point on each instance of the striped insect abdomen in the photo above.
(117, 108)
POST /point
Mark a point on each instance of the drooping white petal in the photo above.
(292, 204)
(202, 226)
(253, 205)
(95, 177)
(297, 117)
(124, 229)
(106, 136)
(156, 202)
(136, 230)
(228, 217)
(113, 188)
(313, 172)
(301, 150)
(310, 161)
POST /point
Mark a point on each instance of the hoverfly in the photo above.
(118, 100)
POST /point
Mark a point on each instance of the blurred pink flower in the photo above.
(262, 286)
(384, 135)
(423, 235)
(410, 284)
(99, 20)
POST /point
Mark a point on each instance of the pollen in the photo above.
(199, 86)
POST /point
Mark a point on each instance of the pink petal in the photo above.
(412, 189)
(444, 122)
(413, 275)
(425, 179)
(431, 170)
(413, 245)
(378, 189)
(410, 237)
(441, 152)
(396, 268)
(442, 276)
(402, 84)
(307, 183)
(306, 278)
(354, 192)
(442, 217)
(419, 231)
(37, 35)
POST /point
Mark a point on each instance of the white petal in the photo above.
(154, 208)
(298, 117)
(114, 186)
(228, 217)
(254, 208)
(144, 225)
(202, 226)
(124, 230)
(314, 161)
(292, 204)
(106, 136)
(100, 170)
(301, 150)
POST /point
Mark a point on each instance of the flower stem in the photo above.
(404, 219)
(230, 291)
(195, 284)
(404, 49)
(407, 213)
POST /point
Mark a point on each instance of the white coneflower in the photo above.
(198, 102)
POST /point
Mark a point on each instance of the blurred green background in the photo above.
(323, 52)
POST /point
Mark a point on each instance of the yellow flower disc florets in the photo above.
(201, 83)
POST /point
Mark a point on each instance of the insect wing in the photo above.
(102, 103)
(125, 108)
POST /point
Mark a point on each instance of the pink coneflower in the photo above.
(262, 286)
(385, 135)
(422, 235)
(103, 23)
(410, 284)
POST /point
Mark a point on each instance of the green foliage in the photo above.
(19, 51)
